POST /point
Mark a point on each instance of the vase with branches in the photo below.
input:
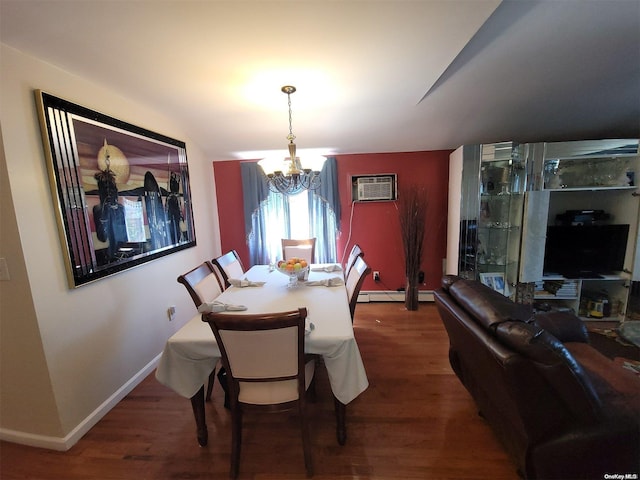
(412, 213)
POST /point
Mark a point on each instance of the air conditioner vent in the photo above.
(374, 187)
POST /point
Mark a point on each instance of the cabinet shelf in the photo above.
(630, 153)
(612, 277)
(594, 188)
(506, 228)
(611, 318)
(551, 296)
(495, 265)
(501, 195)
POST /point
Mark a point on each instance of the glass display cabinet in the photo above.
(518, 204)
(493, 183)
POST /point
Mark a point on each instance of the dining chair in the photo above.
(267, 369)
(302, 248)
(356, 252)
(355, 279)
(230, 266)
(220, 275)
(203, 285)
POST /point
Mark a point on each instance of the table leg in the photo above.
(197, 403)
(341, 428)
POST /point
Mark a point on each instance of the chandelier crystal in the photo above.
(292, 178)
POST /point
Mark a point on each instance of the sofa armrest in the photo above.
(565, 326)
(556, 364)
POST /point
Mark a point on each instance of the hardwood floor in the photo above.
(415, 421)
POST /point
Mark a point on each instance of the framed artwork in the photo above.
(121, 192)
(495, 281)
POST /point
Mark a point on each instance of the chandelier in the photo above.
(292, 178)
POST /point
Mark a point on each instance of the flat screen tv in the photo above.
(585, 251)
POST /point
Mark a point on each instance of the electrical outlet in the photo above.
(376, 276)
(171, 312)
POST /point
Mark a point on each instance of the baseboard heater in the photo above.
(391, 296)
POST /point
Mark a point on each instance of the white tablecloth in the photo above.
(192, 353)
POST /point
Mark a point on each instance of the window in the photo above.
(299, 215)
(269, 217)
(291, 217)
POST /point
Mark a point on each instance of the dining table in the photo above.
(191, 354)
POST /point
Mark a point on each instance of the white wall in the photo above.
(453, 217)
(26, 395)
(84, 348)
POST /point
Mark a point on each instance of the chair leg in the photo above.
(236, 440)
(311, 391)
(212, 378)
(306, 441)
(341, 429)
(197, 403)
(222, 379)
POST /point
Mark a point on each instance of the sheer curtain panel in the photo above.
(268, 218)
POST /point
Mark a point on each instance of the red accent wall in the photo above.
(230, 208)
(374, 225)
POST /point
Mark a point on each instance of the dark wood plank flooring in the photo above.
(415, 421)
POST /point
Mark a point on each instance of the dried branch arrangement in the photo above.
(412, 213)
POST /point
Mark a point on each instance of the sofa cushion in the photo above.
(488, 307)
(556, 364)
(565, 326)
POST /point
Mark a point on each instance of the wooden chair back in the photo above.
(202, 283)
(229, 266)
(354, 282)
(356, 252)
(302, 248)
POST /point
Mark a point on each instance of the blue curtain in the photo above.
(267, 214)
(254, 191)
(324, 213)
(256, 195)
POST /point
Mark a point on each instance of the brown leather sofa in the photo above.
(561, 409)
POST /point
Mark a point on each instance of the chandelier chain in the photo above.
(291, 136)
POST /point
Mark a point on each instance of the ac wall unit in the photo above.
(374, 188)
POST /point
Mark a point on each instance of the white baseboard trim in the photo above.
(65, 443)
(391, 296)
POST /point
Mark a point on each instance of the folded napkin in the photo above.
(327, 268)
(215, 307)
(244, 283)
(327, 282)
(308, 326)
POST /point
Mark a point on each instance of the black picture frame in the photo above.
(121, 192)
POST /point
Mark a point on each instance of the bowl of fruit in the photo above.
(295, 268)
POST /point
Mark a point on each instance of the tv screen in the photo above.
(585, 251)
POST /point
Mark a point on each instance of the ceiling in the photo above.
(372, 76)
